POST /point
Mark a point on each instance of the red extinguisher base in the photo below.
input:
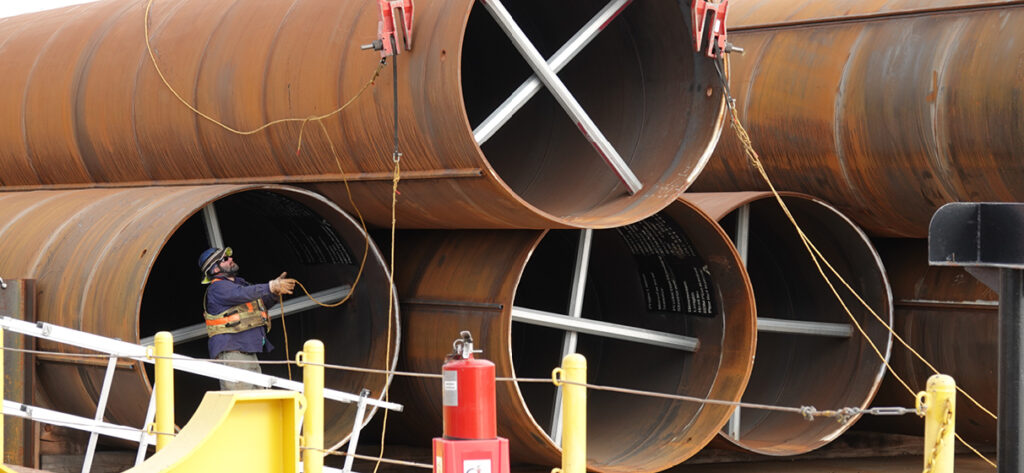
(471, 456)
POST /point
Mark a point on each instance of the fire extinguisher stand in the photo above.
(470, 443)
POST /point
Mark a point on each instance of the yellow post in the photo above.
(313, 424)
(940, 413)
(574, 414)
(164, 385)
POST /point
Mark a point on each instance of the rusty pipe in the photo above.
(122, 263)
(81, 105)
(951, 319)
(793, 370)
(478, 280)
(886, 109)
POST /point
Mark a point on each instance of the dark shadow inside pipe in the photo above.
(807, 370)
(619, 425)
(637, 81)
(271, 233)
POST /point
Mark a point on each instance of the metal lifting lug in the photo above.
(711, 14)
(393, 16)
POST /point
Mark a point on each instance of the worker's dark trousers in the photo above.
(237, 359)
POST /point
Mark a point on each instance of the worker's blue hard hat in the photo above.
(210, 258)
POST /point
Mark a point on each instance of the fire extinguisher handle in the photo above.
(462, 348)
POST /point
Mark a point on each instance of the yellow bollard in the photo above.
(312, 357)
(164, 385)
(574, 414)
(939, 419)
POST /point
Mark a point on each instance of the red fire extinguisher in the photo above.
(468, 393)
(470, 442)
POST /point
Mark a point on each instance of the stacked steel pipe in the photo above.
(885, 109)
(119, 262)
(789, 288)
(85, 106)
(86, 109)
(889, 110)
(85, 113)
(480, 280)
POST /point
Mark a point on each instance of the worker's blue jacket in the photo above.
(224, 294)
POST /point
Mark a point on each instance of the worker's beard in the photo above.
(232, 271)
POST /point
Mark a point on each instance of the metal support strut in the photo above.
(357, 426)
(565, 98)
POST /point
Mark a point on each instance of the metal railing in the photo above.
(117, 349)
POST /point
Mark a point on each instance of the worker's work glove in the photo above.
(282, 285)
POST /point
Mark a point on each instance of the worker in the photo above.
(236, 313)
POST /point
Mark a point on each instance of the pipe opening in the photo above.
(672, 273)
(628, 82)
(272, 231)
(807, 370)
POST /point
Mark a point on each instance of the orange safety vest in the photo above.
(237, 319)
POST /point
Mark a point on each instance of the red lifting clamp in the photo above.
(394, 15)
(715, 38)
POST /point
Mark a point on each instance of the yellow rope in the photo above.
(319, 120)
(893, 332)
(815, 254)
(362, 223)
(391, 292)
(305, 120)
(284, 326)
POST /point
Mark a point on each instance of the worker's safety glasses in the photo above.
(227, 255)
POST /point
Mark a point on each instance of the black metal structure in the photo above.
(989, 237)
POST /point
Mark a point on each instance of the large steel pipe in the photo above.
(808, 352)
(885, 109)
(81, 105)
(951, 319)
(670, 281)
(123, 263)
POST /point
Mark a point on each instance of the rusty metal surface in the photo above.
(951, 319)
(469, 280)
(18, 301)
(802, 370)
(82, 105)
(122, 263)
(886, 117)
(772, 13)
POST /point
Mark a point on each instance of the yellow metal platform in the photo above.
(250, 431)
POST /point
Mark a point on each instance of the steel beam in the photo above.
(563, 96)
(291, 307)
(605, 329)
(487, 128)
(803, 327)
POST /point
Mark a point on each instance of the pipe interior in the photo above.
(637, 81)
(805, 370)
(619, 425)
(271, 232)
